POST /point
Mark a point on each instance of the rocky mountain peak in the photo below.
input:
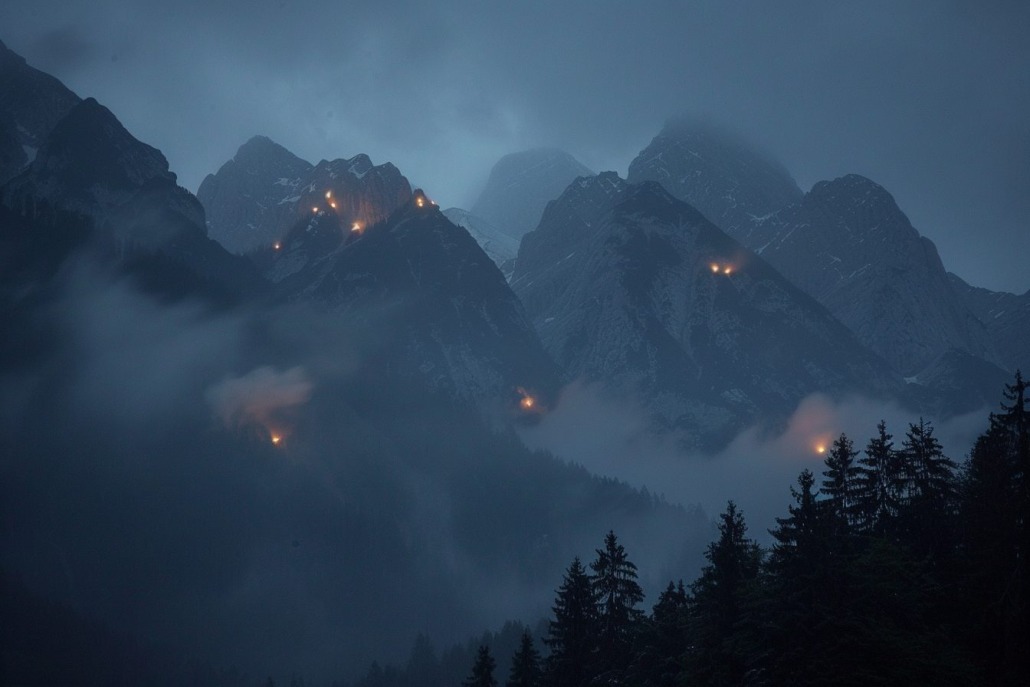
(521, 184)
(860, 202)
(729, 180)
(261, 151)
(90, 164)
(265, 191)
(848, 244)
(634, 288)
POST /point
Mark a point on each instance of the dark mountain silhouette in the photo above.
(33, 103)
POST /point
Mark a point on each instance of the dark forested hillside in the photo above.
(894, 565)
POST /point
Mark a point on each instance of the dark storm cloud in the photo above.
(930, 99)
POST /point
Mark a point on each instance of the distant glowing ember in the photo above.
(356, 227)
(277, 439)
(332, 204)
(277, 245)
(727, 270)
(715, 267)
(420, 201)
(314, 209)
(528, 402)
(820, 448)
(328, 195)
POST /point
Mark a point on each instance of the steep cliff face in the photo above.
(501, 247)
(243, 200)
(632, 287)
(521, 185)
(32, 104)
(256, 197)
(1006, 316)
(436, 303)
(849, 245)
(91, 167)
(89, 163)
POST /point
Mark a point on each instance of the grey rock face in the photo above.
(729, 182)
(437, 303)
(521, 185)
(849, 245)
(1006, 316)
(90, 164)
(242, 200)
(845, 242)
(31, 105)
(256, 197)
(629, 286)
(501, 247)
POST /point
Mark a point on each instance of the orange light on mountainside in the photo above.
(528, 403)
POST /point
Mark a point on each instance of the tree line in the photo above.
(895, 566)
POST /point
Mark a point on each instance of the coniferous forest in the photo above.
(894, 565)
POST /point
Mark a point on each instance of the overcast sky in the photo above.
(930, 99)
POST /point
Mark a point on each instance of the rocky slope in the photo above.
(256, 197)
(33, 103)
(849, 245)
(631, 287)
(1006, 317)
(437, 304)
(845, 242)
(501, 247)
(90, 166)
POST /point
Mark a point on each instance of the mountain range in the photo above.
(845, 242)
(283, 415)
(289, 458)
(629, 286)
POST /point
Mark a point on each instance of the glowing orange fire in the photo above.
(328, 195)
(332, 204)
(276, 438)
(356, 227)
(528, 402)
(715, 267)
(820, 448)
(727, 270)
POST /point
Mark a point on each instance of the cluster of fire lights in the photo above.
(356, 227)
(724, 269)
